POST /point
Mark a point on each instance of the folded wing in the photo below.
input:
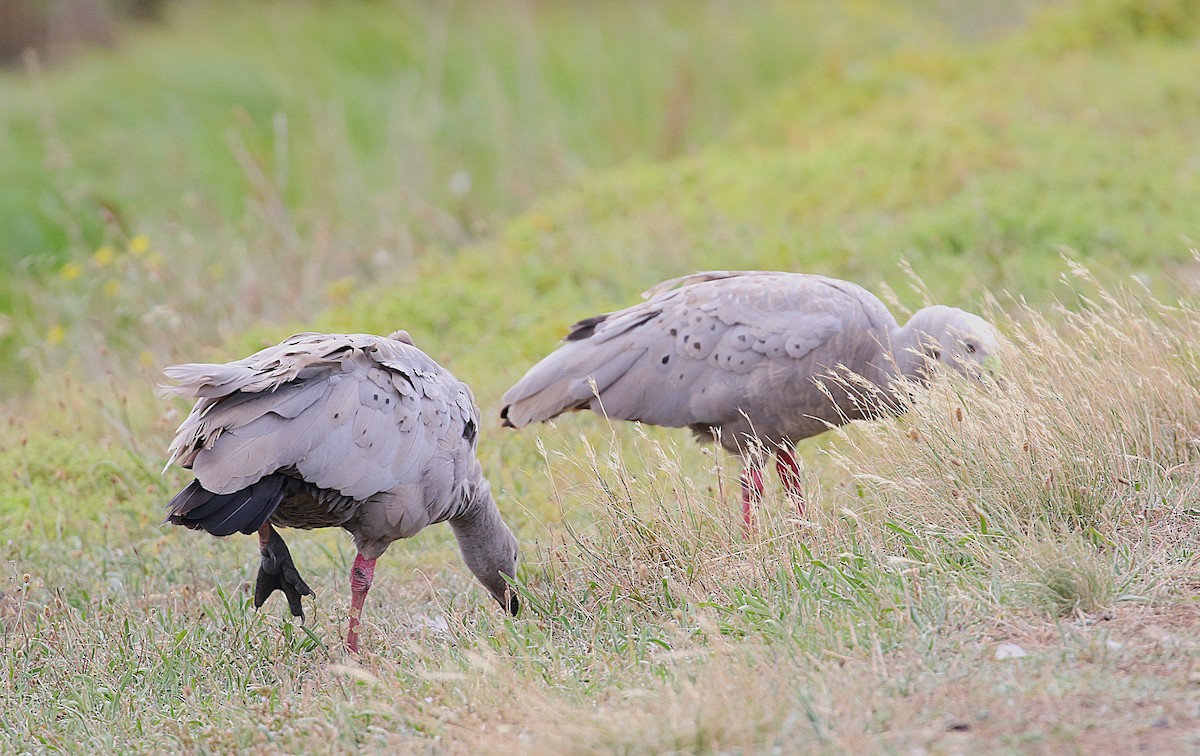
(696, 352)
(355, 414)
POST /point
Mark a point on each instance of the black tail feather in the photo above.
(189, 500)
(223, 514)
(196, 504)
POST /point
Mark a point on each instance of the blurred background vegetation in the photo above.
(232, 166)
(203, 168)
(276, 155)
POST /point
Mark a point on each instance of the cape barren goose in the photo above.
(348, 430)
(738, 357)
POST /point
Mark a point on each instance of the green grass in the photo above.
(610, 147)
(357, 138)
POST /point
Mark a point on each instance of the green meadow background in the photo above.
(484, 174)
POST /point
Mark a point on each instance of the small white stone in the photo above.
(1009, 651)
(436, 623)
(460, 183)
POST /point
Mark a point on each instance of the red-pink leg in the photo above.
(789, 475)
(752, 491)
(361, 575)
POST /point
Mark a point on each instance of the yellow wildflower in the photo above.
(55, 335)
(139, 244)
(541, 221)
(104, 256)
(112, 287)
(71, 271)
(339, 291)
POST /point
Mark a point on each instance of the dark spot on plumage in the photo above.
(470, 431)
(585, 328)
(695, 345)
(406, 377)
(673, 332)
(647, 319)
(666, 358)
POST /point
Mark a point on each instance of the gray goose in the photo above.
(336, 430)
(740, 357)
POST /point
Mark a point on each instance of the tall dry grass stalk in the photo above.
(985, 509)
(1069, 486)
(1088, 449)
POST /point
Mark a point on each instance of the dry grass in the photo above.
(1090, 444)
(1055, 519)
(1027, 513)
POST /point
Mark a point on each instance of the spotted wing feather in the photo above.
(702, 350)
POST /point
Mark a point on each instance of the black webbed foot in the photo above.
(278, 573)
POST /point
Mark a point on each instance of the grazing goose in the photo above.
(738, 357)
(336, 430)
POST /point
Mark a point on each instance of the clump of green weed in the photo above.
(1068, 580)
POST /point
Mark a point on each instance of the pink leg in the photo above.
(361, 575)
(789, 475)
(752, 490)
